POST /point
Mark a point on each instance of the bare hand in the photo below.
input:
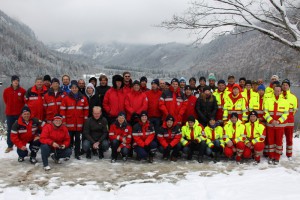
(23, 148)
(249, 145)
(124, 140)
(229, 143)
(55, 145)
(36, 138)
(119, 149)
(96, 145)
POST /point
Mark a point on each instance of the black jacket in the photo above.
(206, 108)
(95, 130)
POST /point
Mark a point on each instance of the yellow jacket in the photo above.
(187, 136)
(220, 97)
(252, 95)
(279, 112)
(234, 133)
(239, 107)
(255, 132)
(214, 134)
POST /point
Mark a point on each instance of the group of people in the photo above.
(239, 120)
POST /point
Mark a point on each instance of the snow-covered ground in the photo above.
(95, 179)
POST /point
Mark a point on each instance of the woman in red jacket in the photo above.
(55, 141)
(120, 137)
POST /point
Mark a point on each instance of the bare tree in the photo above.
(275, 18)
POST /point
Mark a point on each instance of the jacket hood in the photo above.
(116, 78)
(92, 86)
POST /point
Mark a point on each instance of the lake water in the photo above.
(295, 90)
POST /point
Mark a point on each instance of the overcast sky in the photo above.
(129, 21)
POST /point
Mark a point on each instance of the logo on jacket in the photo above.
(82, 100)
(126, 130)
(19, 94)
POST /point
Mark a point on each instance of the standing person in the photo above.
(96, 134)
(127, 82)
(202, 84)
(206, 106)
(257, 103)
(270, 89)
(13, 97)
(256, 134)
(242, 83)
(276, 113)
(143, 134)
(135, 102)
(162, 85)
(192, 139)
(182, 84)
(173, 102)
(47, 81)
(212, 82)
(220, 94)
(143, 84)
(120, 136)
(34, 98)
(52, 100)
(255, 86)
(169, 137)
(167, 86)
(234, 138)
(293, 107)
(191, 104)
(192, 84)
(231, 82)
(93, 81)
(92, 97)
(248, 92)
(214, 139)
(25, 130)
(81, 86)
(74, 109)
(102, 89)
(55, 141)
(114, 99)
(66, 87)
(260, 81)
(153, 97)
(235, 102)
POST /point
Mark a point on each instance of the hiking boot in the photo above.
(173, 158)
(8, 149)
(290, 158)
(256, 162)
(150, 159)
(20, 159)
(100, 153)
(78, 157)
(67, 158)
(270, 161)
(124, 158)
(276, 162)
(200, 159)
(47, 168)
(113, 160)
(88, 154)
(33, 160)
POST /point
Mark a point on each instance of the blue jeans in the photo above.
(144, 152)
(10, 120)
(75, 135)
(217, 148)
(34, 147)
(87, 145)
(59, 153)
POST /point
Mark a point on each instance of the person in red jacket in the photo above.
(143, 134)
(34, 98)
(135, 102)
(13, 97)
(114, 99)
(154, 112)
(55, 141)
(169, 139)
(74, 109)
(25, 130)
(52, 100)
(120, 136)
(127, 81)
(143, 81)
(191, 104)
(173, 102)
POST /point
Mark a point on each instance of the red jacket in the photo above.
(143, 134)
(34, 100)
(14, 100)
(117, 132)
(113, 102)
(173, 103)
(153, 103)
(22, 133)
(59, 135)
(127, 88)
(144, 89)
(135, 102)
(169, 136)
(75, 111)
(190, 109)
(52, 104)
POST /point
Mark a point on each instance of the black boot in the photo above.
(100, 153)
(200, 159)
(89, 154)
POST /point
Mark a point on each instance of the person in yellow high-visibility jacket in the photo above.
(270, 88)
(248, 92)
(293, 107)
(256, 134)
(234, 137)
(214, 139)
(235, 102)
(193, 139)
(220, 94)
(276, 113)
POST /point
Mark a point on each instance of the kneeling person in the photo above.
(55, 141)
(192, 139)
(25, 130)
(96, 133)
(143, 135)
